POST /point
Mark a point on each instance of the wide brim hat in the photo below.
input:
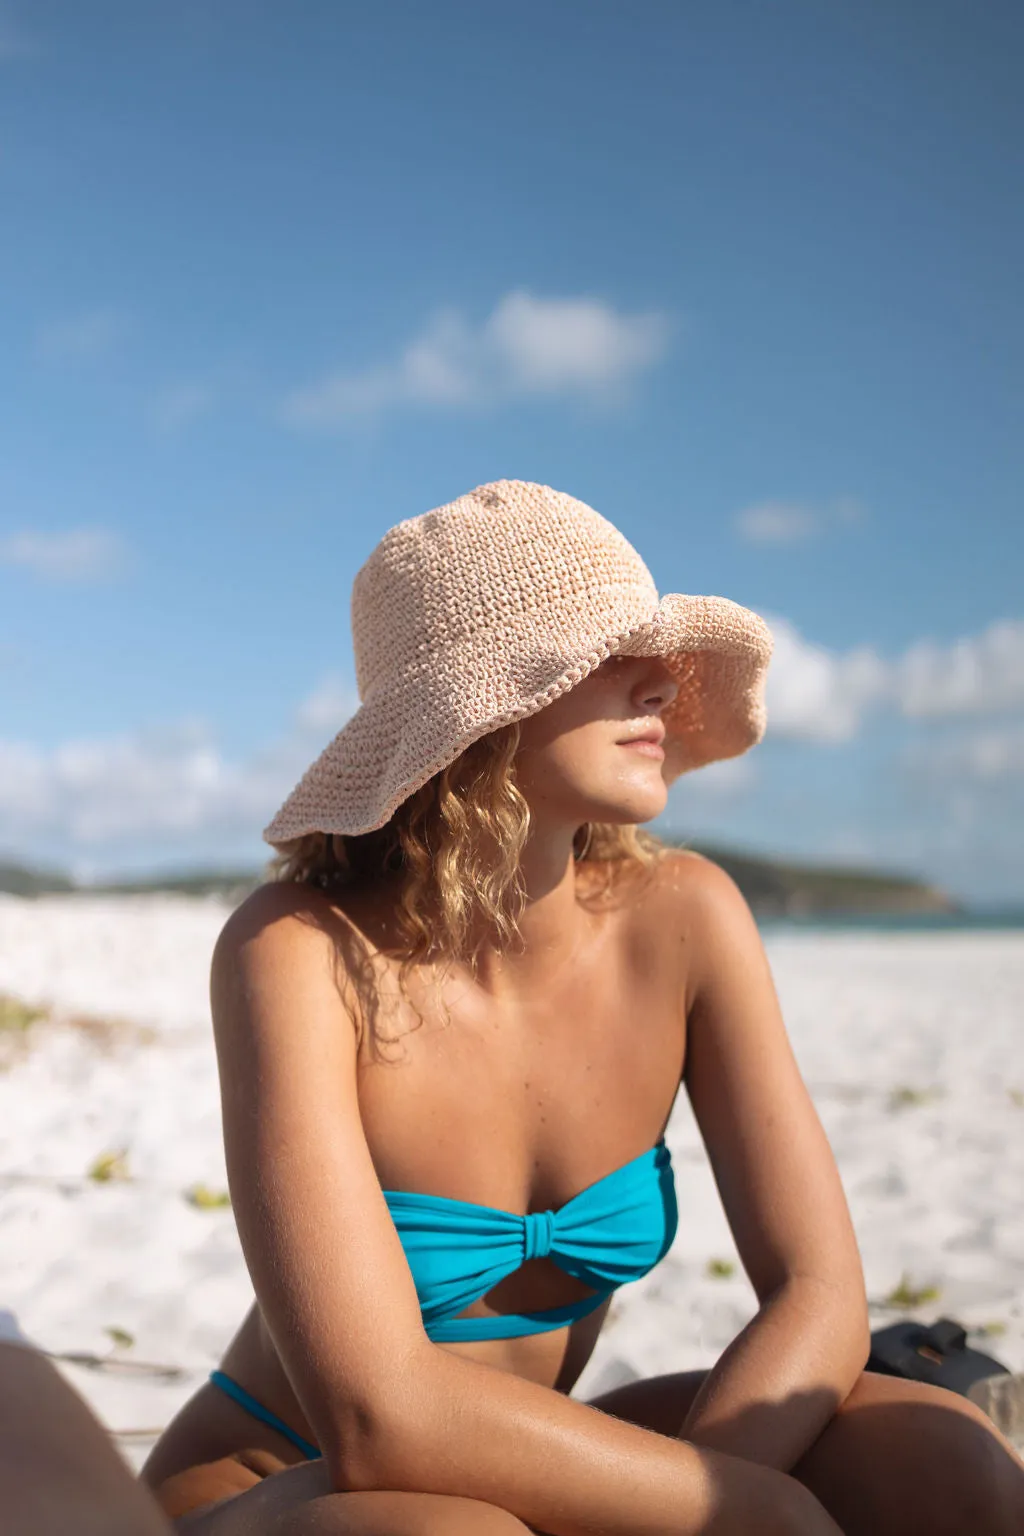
(486, 610)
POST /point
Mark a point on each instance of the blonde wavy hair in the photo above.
(455, 845)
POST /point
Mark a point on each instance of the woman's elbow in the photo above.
(839, 1304)
(376, 1444)
(852, 1325)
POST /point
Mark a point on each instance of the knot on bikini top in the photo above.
(538, 1235)
(613, 1231)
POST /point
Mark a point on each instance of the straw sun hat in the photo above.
(487, 609)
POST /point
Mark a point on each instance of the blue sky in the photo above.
(746, 278)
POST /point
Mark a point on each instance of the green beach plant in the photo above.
(906, 1295)
(205, 1199)
(110, 1167)
(905, 1097)
(18, 1016)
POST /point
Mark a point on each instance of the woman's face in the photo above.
(574, 762)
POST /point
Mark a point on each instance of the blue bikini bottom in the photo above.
(243, 1399)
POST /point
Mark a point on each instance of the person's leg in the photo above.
(60, 1474)
(906, 1458)
(897, 1459)
(298, 1502)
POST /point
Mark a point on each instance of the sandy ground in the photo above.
(909, 1043)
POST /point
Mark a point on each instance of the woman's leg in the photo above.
(298, 1502)
(60, 1474)
(897, 1459)
(903, 1456)
(217, 1471)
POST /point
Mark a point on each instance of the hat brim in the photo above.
(717, 651)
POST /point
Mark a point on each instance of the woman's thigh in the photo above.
(297, 1501)
(897, 1456)
(660, 1403)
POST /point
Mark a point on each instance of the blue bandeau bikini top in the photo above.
(612, 1231)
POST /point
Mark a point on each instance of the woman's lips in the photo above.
(647, 747)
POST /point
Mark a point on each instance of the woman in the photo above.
(450, 1036)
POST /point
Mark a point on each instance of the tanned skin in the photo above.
(518, 1088)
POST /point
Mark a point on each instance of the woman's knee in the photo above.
(452, 1516)
(903, 1457)
(398, 1514)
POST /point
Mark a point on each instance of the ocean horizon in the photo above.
(983, 918)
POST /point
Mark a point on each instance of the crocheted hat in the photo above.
(484, 611)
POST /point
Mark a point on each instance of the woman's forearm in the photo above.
(782, 1378)
(564, 1467)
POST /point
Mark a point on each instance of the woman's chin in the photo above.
(633, 809)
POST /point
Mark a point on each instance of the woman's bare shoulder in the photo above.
(685, 883)
(696, 883)
(284, 908)
(292, 936)
(697, 910)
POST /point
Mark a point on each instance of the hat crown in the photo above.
(481, 564)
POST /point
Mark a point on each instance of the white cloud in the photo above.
(777, 522)
(721, 781)
(552, 345)
(81, 337)
(179, 407)
(978, 674)
(984, 756)
(113, 790)
(526, 347)
(816, 694)
(785, 522)
(80, 554)
(104, 794)
(327, 708)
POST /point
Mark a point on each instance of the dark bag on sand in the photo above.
(937, 1354)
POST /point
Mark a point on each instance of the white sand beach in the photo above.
(910, 1045)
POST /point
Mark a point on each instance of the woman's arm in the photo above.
(389, 1408)
(783, 1377)
(570, 1470)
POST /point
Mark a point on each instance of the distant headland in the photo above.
(773, 887)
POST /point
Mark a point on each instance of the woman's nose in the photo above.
(657, 688)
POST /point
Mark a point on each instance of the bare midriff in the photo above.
(552, 1097)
